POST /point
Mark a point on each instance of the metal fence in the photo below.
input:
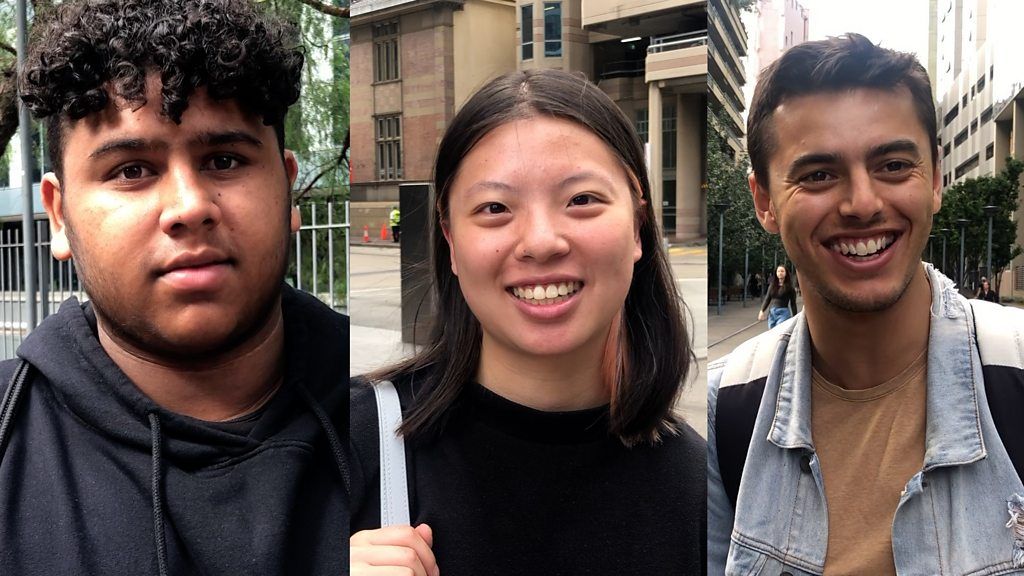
(319, 266)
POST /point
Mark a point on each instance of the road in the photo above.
(376, 316)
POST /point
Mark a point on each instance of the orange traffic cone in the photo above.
(366, 233)
(383, 232)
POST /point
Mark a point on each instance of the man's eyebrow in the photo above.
(801, 162)
(227, 137)
(126, 145)
(902, 145)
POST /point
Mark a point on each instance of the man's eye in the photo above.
(222, 163)
(818, 176)
(896, 166)
(133, 172)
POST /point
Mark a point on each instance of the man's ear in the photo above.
(291, 170)
(937, 182)
(53, 203)
(763, 205)
(451, 246)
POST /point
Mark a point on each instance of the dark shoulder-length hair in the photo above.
(649, 356)
(777, 287)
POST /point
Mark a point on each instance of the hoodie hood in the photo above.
(65, 349)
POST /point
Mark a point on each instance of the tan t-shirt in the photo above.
(869, 443)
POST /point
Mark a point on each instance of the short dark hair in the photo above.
(86, 51)
(842, 63)
(652, 348)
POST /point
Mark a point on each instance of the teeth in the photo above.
(862, 248)
(545, 293)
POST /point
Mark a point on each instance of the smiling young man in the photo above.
(869, 435)
(186, 419)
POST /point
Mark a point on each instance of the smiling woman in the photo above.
(546, 392)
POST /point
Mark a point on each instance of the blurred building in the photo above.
(773, 26)
(979, 85)
(412, 63)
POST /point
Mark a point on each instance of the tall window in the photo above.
(641, 124)
(526, 26)
(388, 135)
(668, 136)
(385, 52)
(552, 29)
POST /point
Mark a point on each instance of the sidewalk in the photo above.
(735, 325)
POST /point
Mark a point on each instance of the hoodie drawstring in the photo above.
(332, 436)
(10, 403)
(158, 495)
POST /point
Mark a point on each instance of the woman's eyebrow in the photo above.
(484, 185)
(584, 176)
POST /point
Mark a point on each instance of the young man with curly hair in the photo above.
(879, 431)
(186, 419)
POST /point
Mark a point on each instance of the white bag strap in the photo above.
(394, 488)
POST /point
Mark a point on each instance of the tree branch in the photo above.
(326, 8)
(8, 48)
(330, 166)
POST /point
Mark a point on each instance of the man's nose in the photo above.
(189, 201)
(863, 200)
(541, 236)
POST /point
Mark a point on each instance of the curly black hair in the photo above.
(85, 52)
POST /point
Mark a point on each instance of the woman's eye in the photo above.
(581, 200)
(495, 208)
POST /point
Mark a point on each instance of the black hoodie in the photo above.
(94, 470)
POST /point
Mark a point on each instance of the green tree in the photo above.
(966, 200)
(743, 235)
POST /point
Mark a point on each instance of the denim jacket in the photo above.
(955, 516)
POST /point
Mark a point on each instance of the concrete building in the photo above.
(651, 58)
(772, 26)
(413, 63)
(978, 79)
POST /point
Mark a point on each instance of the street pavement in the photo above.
(375, 310)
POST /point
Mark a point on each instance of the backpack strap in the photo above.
(999, 333)
(394, 487)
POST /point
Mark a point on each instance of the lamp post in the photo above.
(746, 269)
(990, 211)
(962, 222)
(944, 232)
(720, 207)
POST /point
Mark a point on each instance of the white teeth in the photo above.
(862, 248)
(545, 293)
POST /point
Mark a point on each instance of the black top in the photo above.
(512, 490)
(990, 296)
(264, 496)
(783, 298)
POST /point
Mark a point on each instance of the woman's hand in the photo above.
(395, 550)
(760, 315)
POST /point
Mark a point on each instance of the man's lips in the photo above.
(196, 271)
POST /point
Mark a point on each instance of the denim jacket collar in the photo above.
(953, 435)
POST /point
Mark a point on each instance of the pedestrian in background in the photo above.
(396, 224)
(985, 292)
(780, 301)
(539, 415)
